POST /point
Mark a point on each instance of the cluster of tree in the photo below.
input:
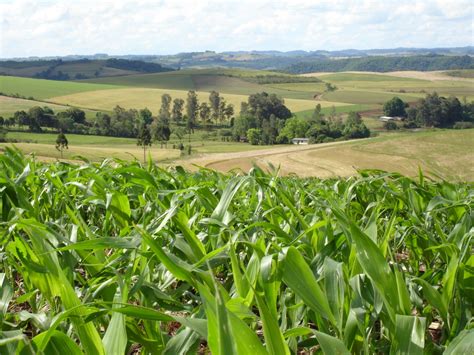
(384, 64)
(321, 129)
(261, 119)
(395, 107)
(216, 111)
(432, 111)
(280, 127)
(37, 118)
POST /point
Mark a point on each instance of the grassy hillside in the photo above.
(151, 98)
(230, 81)
(145, 90)
(45, 89)
(466, 73)
(440, 153)
(178, 80)
(376, 88)
(96, 148)
(77, 69)
(9, 105)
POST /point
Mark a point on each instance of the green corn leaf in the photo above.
(331, 345)
(115, 338)
(462, 344)
(58, 344)
(274, 339)
(299, 277)
(409, 337)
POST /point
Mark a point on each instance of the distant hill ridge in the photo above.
(58, 69)
(297, 61)
(385, 64)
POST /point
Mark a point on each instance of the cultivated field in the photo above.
(355, 91)
(410, 86)
(45, 89)
(441, 152)
(9, 105)
(96, 148)
(120, 258)
(151, 98)
(446, 154)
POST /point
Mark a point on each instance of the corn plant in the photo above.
(121, 258)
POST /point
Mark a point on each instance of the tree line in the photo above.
(122, 122)
(433, 111)
(263, 119)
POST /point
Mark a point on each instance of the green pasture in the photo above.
(9, 105)
(44, 89)
(464, 73)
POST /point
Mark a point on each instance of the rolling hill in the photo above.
(78, 69)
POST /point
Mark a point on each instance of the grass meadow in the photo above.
(45, 89)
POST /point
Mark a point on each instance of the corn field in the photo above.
(121, 258)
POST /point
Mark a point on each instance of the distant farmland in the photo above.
(363, 90)
(45, 89)
(441, 153)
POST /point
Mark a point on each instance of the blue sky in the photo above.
(40, 28)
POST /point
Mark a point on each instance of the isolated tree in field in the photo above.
(395, 107)
(144, 138)
(330, 87)
(215, 101)
(192, 107)
(61, 143)
(177, 111)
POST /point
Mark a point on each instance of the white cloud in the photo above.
(169, 26)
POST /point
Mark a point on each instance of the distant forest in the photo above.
(296, 62)
(135, 65)
(384, 64)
